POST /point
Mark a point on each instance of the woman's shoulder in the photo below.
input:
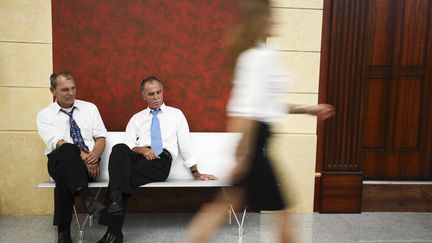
(259, 53)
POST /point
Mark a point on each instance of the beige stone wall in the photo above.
(25, 66)
(297, 32)
(26, 63)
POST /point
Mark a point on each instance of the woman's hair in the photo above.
(251, 25)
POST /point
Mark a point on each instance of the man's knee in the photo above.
(118, 153)
(120, 148)
(69, 148)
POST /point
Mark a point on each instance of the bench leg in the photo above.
(88, 217)
(232, 211)
(81, 236)
(80, 229)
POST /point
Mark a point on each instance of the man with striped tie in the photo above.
(153, 139)
(74, 135)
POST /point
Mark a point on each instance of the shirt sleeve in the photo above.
(278, 83)
(131, 133)
(48, 131)
(246, 89)
(99, 129)
(184, 141)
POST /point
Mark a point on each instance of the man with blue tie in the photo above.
(74, 134)
(153, 139)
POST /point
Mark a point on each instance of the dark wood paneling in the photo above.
(397, 198)
(322, 97)
(317, 192)
(414, 29)
(381, 35)
(376, 69)
(375, 113)
(341, 76)
(341, 193)
(401, 30)
(344, 85)
(407, 119)
(374, 165)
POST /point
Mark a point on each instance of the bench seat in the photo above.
(167, 183)
(215, 152)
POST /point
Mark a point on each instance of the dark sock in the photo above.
(83, 193)
(61, 228)
(115, 231)
(116, 195)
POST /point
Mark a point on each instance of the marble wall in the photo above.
(298, 26)
(25, 66)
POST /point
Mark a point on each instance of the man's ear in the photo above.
(53, 93)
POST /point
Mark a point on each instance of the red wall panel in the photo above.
(111, 46)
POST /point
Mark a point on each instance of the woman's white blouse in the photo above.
(260, 86)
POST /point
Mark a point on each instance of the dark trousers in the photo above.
(127, 171)
(69, 172)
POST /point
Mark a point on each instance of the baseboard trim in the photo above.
(397, 197)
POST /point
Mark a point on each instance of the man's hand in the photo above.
(93, 170)
(204, 177)
(90, 157)
(148, 153)
(60, 143)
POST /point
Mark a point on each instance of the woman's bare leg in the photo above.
(211, 215)
(285, 232)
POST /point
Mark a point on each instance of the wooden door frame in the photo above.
(322, 97)
(338, 184)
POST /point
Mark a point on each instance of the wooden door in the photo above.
(377, 71)
(396, 135)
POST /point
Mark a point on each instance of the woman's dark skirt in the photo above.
(262, 188)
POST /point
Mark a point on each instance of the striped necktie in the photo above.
(75, 132)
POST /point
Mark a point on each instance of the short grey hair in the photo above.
(53, 77)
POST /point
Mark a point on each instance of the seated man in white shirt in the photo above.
(74, 134)
(152, 141)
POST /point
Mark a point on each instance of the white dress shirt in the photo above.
(174, 131)
(259, 87)
(53, 125)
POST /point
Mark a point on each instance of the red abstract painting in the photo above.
(110, 46)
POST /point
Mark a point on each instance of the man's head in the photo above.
(152, 92)
(63, 88)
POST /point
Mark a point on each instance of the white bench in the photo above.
(216, 155)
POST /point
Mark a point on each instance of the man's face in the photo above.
(64, 92)
(153, 94)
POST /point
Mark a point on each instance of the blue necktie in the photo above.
(75, 132)
(156, 138)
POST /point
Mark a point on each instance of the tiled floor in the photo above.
(365, 227)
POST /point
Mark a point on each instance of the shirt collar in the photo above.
(162, 108)
(57, 107)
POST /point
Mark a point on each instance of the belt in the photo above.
(165, 154)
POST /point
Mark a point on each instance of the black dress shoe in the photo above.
(93, 206)
(115, 208)
(111, 238)
(64, 237)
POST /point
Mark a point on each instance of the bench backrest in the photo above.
(215, 152)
